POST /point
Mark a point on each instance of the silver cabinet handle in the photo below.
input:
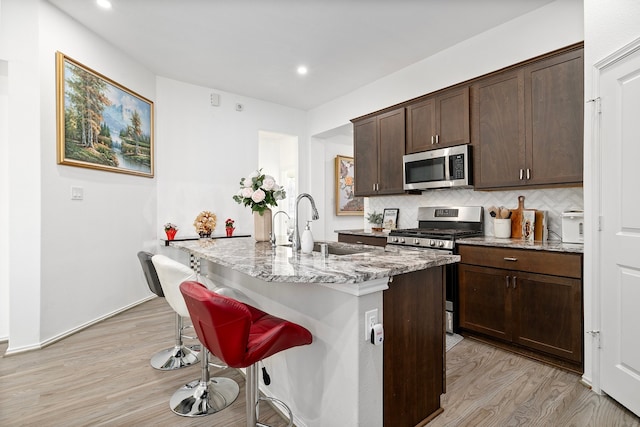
(374, 187)
(508, 281)
(528, 173)
(509, 258)
(514, 282)
(432, 139)
(521, 174)
(437, 139)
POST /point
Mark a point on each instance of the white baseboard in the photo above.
(65, 334)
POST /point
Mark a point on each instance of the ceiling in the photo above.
(253, 47)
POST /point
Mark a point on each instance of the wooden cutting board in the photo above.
(516, 219)
(541, 226)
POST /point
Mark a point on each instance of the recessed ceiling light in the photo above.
(302, 70)
(105, 4)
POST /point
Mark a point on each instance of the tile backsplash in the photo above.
(554, 201)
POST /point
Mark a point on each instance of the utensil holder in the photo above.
(502, 228)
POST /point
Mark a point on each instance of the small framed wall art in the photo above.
(101, 124)
(346, 202)
(390, 219)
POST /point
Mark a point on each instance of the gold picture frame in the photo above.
(346, 201)
(100, 123)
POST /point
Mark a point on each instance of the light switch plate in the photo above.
(77, 193)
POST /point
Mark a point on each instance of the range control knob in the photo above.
(440, 244)
(402, 240)
(432, 243)
(394, 239)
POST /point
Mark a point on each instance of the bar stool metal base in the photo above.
(175, 357)
(252, 393)
(200, 398)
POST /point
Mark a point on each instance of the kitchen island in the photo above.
(341, 378)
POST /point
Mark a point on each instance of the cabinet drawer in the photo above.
(367, 240)
(534, 261)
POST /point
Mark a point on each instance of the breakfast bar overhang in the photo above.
(341, 378)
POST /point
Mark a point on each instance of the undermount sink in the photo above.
(335, 249)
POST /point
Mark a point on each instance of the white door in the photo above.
(620, 236)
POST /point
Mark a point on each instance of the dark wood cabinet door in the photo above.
(365, 153)
(554, 108)
(391, 138)
(499, 130)
(438, 121)
(547, 314)
(452, 118)
(421, 126)
(485, 303)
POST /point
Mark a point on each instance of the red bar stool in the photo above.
(240, 335)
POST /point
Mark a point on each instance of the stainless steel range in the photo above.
(438, 229)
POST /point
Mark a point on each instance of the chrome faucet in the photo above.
(273, 226)
(296, 234)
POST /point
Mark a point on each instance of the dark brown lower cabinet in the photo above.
(538, 314)
(414, 349)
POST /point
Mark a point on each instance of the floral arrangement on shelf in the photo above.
(259, 191)
(228, 223)
(169, 226)
(205, 223)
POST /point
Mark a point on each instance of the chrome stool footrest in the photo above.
(273, 399)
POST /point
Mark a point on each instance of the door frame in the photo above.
(594, 219)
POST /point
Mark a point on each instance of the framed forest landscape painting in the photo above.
(101, 124)
(346, 202)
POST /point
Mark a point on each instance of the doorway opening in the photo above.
(278, 157)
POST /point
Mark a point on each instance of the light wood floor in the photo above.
(101, 377)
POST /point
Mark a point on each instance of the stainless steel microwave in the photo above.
(441, 168)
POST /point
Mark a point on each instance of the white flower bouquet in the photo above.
(259, 191)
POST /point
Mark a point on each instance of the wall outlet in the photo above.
(370, 319)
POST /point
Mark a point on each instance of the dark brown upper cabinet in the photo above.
(527, 124)
(379, 143)
(438, 121)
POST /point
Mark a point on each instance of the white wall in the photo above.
(548, 28)
(204, 151)
(70, 263)
(608, 27)
(20, 25)
(4, 199)
(327, 148)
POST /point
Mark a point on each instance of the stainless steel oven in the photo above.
(438, 228)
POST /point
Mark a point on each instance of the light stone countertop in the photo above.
(552, 245)
(278, 264)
